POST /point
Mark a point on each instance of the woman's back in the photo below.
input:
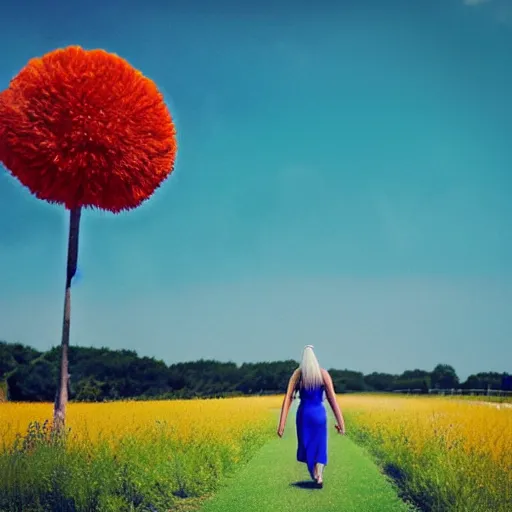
(311, 396)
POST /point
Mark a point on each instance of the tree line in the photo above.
(100, 374)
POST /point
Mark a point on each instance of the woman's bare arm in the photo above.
(331, 398)
(287, 401)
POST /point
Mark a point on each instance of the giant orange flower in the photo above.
(84, 128)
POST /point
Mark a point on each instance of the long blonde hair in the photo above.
(310, 372)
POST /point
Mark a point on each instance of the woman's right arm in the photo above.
(331, 398)
(287, 401)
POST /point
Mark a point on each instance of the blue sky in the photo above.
(343, 179)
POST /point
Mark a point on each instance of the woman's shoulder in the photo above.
(326, 376)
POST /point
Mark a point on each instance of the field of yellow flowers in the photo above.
(165, 455)
(126, 455)
(445, 454)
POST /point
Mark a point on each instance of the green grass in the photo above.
(274, 480)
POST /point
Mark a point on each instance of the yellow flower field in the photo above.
(183, 420)
(446, 454)
(474, 428)
(127, 455)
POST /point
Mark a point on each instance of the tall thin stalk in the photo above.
(61, 397)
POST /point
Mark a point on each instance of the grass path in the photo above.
(273, 481)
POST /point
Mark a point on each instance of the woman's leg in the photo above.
(320, 473)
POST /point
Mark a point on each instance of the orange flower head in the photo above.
(83, 128)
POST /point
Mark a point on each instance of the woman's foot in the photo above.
(318, 475)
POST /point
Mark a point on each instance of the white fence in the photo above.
(475, 392)
(470, 392)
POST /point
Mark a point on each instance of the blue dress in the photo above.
(312, 428)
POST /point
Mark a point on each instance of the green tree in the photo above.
(380, 381)
(444, 377)
(33, 382)
(484, 380)
(89, 390)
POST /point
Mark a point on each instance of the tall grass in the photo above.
(445, 455)
(125, 456)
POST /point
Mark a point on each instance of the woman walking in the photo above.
(311, 381)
